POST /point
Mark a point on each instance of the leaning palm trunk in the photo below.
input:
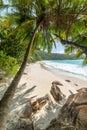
(8, 96)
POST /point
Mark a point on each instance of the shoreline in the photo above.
(81, 81)
(67, 71)
(42, 77)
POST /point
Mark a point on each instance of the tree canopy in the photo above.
(61, 20)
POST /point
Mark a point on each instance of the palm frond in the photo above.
(78, 53)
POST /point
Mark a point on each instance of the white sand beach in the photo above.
(41, 77)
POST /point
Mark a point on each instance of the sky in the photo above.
(6, 1)
(59, 48)
(4, 10)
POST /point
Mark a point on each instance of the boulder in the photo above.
(56, 92)
(73, 114)
(57, 83)
(16, 123)
(31, 116)
(33, 106)
(26, 111)
(75, 110)
(82, 90)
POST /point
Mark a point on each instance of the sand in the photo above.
(36, 82)
(38, 79)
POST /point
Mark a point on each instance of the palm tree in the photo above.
(8, 96)
(51, 20)
(72, 23)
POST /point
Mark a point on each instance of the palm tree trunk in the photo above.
(8, 96)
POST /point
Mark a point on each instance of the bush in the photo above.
(8, 63)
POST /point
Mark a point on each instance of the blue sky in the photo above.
(6, 1)
(59, 48)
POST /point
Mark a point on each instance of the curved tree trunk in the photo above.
(8, 96)
(66, 42)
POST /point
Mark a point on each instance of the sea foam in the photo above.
(71, 66)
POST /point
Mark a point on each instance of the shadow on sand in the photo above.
(22, 96)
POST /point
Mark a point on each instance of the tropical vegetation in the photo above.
(30, 25)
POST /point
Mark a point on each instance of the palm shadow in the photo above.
(22, 98)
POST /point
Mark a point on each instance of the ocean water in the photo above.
(71, 66)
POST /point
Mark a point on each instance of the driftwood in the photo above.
(56, 92)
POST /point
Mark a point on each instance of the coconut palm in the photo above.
(7, 98)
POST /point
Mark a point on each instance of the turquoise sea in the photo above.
(71, 66)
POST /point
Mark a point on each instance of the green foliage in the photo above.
(85, 61)
(12, 45)
(66, 18)
(78, 54)
(75, 129)
(14, 49)
(34, 57)
(69, 50)
(8, 64)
